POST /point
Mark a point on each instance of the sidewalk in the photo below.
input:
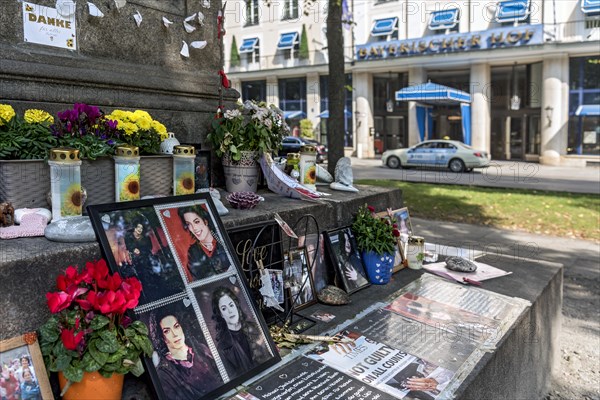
(578, 375)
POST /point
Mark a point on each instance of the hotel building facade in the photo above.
(528, 72)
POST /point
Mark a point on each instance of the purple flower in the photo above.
(110, 142)
(112, 124)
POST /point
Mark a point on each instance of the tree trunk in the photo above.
(337, 81)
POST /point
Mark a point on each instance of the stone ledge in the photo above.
(29, 266)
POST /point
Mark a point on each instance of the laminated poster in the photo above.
(46, 26)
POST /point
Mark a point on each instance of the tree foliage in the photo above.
(234, 60)
(303, 52)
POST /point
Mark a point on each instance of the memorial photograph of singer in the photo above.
(198, 245)
(184, 364)
(239, 339)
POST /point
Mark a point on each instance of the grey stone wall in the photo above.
(118, 65)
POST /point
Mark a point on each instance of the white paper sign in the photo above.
(44, 25)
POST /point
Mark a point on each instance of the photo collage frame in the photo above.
(207, 333)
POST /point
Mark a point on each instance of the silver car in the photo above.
(452, 154)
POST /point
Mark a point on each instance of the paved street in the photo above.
(513, 174)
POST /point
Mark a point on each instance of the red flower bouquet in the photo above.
(88, 330)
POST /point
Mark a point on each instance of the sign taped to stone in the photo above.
(49, 26)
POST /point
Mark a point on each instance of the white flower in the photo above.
(231, 114)
(250, 105)
(268, 123)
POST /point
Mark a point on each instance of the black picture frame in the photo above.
(260, 241)
(202, 169)
(185, 297)
(298, 280)
(344, 255)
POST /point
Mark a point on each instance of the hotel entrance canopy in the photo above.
(430, 94)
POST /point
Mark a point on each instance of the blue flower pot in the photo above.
(378, 267)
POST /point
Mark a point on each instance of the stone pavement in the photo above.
(578, 375)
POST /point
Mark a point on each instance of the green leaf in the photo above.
(100, 357)
(111, 367)
(49, 332)
(98, 322)
(142, 343)
(89, 363)
(109, 343)
(73, 374)
(105, 374)
(63, 362)
(140, 327)
(116, 356)
(138, 368)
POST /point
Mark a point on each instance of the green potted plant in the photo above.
(241, 135)
(89, 337)
(376, 239)
(25, 138)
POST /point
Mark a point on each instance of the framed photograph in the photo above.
(137, 246)
(346, 259)
(298, 280)
(277, 284)
(22, 371)
(238, 335)
(202, 169)
(196, 257)
(318, 263)
(259, 246)
(402, 219)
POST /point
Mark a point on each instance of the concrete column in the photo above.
(237, 85)
(272, 90)
(564, 137)
(313, 98)
(554, 124)
(481, 123)
(416, 76)
(363, 92)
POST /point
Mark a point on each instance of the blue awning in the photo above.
(588, 109)
(287, 41)
(294, 114)
(590, 6)
(325, 114)
(444, 19)
(512, 10)
(433, 93)
(249, 45)
(384, 27)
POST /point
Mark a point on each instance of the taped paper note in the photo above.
(185, 50)
(94, 11)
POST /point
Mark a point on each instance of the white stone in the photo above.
(71, 229)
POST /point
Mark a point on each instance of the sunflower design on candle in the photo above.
(310, 175)
(185, 183)
(72, 201)
(130, 187)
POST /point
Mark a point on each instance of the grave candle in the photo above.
(65, 182)
(183, 170)
(127, 173)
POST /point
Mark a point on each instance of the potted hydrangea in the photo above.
(241, 135)
(376, 239)
(88, 337)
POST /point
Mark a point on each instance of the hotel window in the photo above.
(254, 90)
(590, 7)
(288, 43)
(251, 12)
(385, 29)
(250, 47)
(512, 11)
(446, 20)
(290, 9)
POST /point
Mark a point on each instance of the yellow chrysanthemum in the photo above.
(117, 115)
(34, 116)
(6, 113)
(185, 184)
(160, 129)
(144, 123)
(129, 128)
(130, 188)
(141, 114)
(163, 136)
(71, 204)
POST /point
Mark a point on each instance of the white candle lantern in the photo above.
(65, 182)
(308, 166)
(183, 170)
(127, 173)
(415, 252)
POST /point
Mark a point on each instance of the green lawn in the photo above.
(549, 213)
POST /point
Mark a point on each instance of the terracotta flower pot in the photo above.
(93, 386)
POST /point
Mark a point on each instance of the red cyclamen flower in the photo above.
(70, 339)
